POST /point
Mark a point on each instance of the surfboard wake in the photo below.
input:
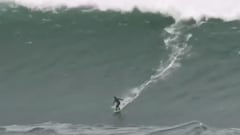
(176, 42)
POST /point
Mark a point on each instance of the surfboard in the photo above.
(117, 111)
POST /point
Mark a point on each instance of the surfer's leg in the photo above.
(117, 107)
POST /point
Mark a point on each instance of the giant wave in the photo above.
(175, 41)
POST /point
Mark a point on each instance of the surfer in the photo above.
(117, 101)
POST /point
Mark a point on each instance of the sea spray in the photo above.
(175, 41)
(178, 9)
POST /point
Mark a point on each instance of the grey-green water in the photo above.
(66, 66)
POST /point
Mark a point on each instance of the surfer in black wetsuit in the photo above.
(117, 101)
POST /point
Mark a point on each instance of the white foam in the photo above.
(179, 9)
(71, 129)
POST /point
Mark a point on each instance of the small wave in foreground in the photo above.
(49, 128)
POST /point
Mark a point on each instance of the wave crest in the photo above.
(179, 9)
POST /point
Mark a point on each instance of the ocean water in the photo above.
(175, 63)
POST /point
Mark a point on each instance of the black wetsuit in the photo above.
(117, 101)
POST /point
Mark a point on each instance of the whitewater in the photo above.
(178, 9)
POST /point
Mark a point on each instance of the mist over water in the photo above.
(61, 67)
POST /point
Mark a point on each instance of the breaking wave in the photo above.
(178, 9)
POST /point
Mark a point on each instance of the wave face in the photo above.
(66, 64)
(178, 9)
(176, 42)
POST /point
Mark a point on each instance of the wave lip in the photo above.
(179, 9)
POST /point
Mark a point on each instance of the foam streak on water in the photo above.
(176, 42)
